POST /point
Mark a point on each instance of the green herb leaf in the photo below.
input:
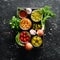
(47, 13)
(14, 22)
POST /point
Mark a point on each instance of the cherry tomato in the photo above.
(24, 36)
(24, 33)
(27, 38)
(21, 34)
(21, 38)
(24, 40)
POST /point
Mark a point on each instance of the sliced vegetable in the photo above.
(17, 40)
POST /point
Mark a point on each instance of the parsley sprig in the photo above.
(14, 22)
(47, 13)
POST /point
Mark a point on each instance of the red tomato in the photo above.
(24, 40)
(21, 34)
(24, 33)
(27, 38)
(21, 38)
(24, 36)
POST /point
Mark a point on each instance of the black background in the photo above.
(9, 50)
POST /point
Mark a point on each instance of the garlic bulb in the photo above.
(32, 32)
(28, 10)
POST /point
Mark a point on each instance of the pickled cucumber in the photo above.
(36, 26)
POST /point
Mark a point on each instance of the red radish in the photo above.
(28, 46)
(40, 32)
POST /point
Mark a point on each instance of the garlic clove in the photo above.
(33, 32)
(28, 10)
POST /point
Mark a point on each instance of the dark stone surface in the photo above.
(8, 48)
